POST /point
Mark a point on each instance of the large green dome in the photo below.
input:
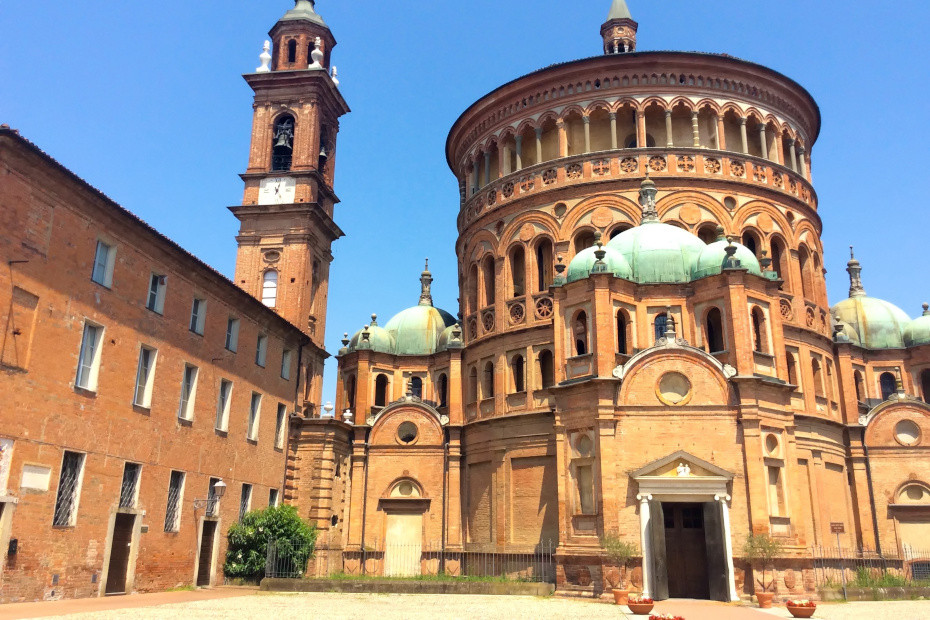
(379, 339)
(880, 324)
(917, 331)
(581, 266)
(416, 330)
(710, 261)
(659, 253)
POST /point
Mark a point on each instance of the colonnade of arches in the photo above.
(521, 376)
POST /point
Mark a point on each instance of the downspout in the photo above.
(868, 477)
(287, 436)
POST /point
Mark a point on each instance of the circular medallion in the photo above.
(527, 232)
(765, 222)
(907, 433)
(673, 388)
(602, 217)
(690, 214)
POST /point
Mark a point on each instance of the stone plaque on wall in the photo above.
(6, 458)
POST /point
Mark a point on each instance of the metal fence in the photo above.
(530, 563)
(837, 567)
(287, 559)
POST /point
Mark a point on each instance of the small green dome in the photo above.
(710, 261)
(658, 253)
(449, 338)
(304, 10)
(879, 324)
(581, 266)
(379, 339)
(917, 331)
(417, 330)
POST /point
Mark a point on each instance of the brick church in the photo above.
(644, 348)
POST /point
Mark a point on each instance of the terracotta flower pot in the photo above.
(640, 609)
(802, 612)
(621, 596)
(765, 599)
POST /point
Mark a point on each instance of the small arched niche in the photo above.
(405, 489)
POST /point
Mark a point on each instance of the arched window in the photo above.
(583, 240)
(487, 270)
(925, 384)
(792, 370)
(416, 387)
(759, 335)
(818, 378)
(518, 271)
(270, 288)
(443, 390)
(546, 368)
(661, 324)
(487, 384)
(292, 51)
(350, 392)
(860, 386)
(282, 142)
(310, 48)
(472, 384)
(804, 257)
(544, 265)
(888, 385)
(751, 241)
(472, 289)
(779, 258)
(381, 388)
(580, 333)
(624, 330)
(516, 369)
(619, 229)
(713, 325)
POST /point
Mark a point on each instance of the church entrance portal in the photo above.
(403, 544)
(686, 551)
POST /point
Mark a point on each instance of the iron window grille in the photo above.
(130, 487)
(68, 484)
(173, 512)
(213, 501)
(245, 500)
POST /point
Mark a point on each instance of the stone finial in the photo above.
(926, 309)
(647, 200)
(599, 253)
(731, 262)
(560, 265)
(899, 383)
(317, 54)
(345, 339)
(265, 58)
(765, 262)
(374, 320)
(335, 75)
(855, 275)
(426, 283)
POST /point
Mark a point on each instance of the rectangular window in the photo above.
(280, 423)
(213, 502)
(188, 392)
(254, 411)
(261, 350)
(232, 334)
(286, 364)
(273, 497)
(245, 500)
(145, 377)
(156, 299)
(69, 489)
(585, 480)
(89, 357)
(175, 496)
(104, 260)
(129, 491)
(198, 315)
(222, 405)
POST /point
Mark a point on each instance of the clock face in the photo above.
(276, 191)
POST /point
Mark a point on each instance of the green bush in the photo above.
(248, 542)
(875, 578)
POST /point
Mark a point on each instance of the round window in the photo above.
(407, 432)
(915, 493)
(771, 444)
(584, 445)
(405, 489)
(674, 388)
(907, 432)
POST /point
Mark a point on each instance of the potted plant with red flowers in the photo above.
(619, 553)
(764, 549)
(665, 617)
(801, 608)
(640, 605)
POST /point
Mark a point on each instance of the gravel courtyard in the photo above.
(405, 606)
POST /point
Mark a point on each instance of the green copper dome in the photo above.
(379, 339)
(658, 253)
(417, 330)
(710, 261)
(581, 266)
(917, 331)
(880, 324)
(304, 10)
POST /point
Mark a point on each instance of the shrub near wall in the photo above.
(248, 541)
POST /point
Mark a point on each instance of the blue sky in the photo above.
(145, 101)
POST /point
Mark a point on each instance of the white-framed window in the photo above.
(104, 261)
(188, 392)
(158, 285)
(89, 357)
(273, 497)
(175, 501)
(286, 358)
(245, 500)
(145, 377)
(69, 489)
(222, 405)
(279, 426)
(232, 334)
(198, 315)
(261, 350)
(255, 410)
(270, 288)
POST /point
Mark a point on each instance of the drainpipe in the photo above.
(868, 477)
(287, 422)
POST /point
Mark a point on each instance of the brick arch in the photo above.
(654, 100)
(881, 422)
(429, 430)
(804, 226)
(757, 207)
(482, 236)
(598, 104)
(625, 101)
(396, 481)
(512, 230)
(525, 124)
(641, 375)
(670, 201)
(583, 208)
(708, 103)
(682, 100)
(572, 109)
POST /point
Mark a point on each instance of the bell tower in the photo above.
(286, 217)
(619, 31)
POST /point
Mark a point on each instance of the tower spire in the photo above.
(426, 281)
(619, 31)
(855, 281)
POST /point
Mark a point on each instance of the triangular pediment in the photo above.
(681, 464)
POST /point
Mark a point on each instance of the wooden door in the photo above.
(686, 551)
(206, 553)
(120, 547)
(403, 544)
